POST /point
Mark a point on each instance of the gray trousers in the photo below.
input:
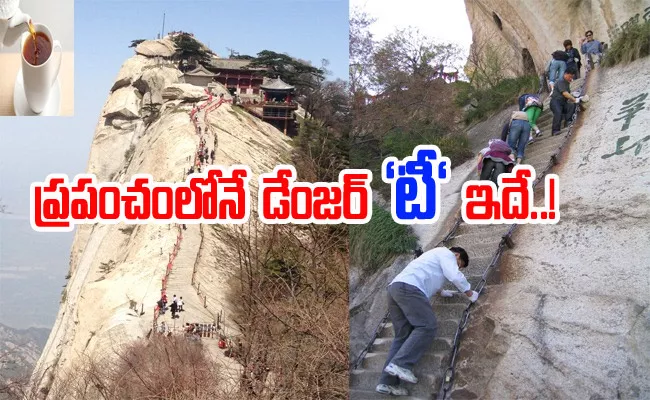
(415, 328)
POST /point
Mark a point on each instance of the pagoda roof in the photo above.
(201, 71)
(233, 64)
(276, 84)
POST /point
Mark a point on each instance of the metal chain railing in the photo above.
(506, 241)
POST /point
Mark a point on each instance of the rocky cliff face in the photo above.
(116, 270)
(567, 313)
(570, 318)
(526, 32)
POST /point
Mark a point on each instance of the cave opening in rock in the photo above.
(529, 63)
(497, 21)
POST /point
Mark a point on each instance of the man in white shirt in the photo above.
(411, 313)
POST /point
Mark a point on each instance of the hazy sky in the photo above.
(32, 265)
(445, 21)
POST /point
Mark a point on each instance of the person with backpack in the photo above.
(519, 133)
(557, 66)
(494, 160)
(532, 105)
(574, 58)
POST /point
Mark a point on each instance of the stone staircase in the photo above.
(179, 283)
(481, 243)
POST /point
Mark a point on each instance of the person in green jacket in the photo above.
(533, 106)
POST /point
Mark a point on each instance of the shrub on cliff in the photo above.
(159, 368)
(630, 44)
(374, 245)
(483, 102)
(290, 304)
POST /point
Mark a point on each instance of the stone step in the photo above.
(547, 139)
(476, 251)
(446, 327)
(487, 230)
(480, 238)
(546, 146)
(382, 345)
(367, 380)
(372, 395)
(540, 158)
(430, 361)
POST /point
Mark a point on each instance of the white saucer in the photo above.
(21, 108)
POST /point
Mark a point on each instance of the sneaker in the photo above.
(538, 133)
(392, 390)
(531, 140)
(402, 373)
(518, 162)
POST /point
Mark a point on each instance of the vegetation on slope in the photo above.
(376, 244)
(400, 102)
(483, 102)
(630, 44)
(162, 367)
(291, 288)
(489, 89)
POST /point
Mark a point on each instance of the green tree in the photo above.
(190, 50)
(294, 72)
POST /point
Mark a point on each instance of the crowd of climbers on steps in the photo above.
(195, 331)
(175, 308)
(410, 292)
(502, 154)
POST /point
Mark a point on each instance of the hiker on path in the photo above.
(559, 100)
(532, 105)
(174, 308)
(556, 67)
(592, 49)
(574, 58)
(410, 311)
(494, 160)
(212, 156)
(519, 133)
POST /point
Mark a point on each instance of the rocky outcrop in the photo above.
(184, 91)
(525, 32)
(156, 48)
(124, 103)
(145, 128)
(131, 70)
(153, 82)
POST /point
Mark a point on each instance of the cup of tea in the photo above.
(40, 66)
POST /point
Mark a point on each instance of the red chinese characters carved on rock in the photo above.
(282, 200)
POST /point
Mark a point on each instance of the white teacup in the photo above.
(39, 79)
